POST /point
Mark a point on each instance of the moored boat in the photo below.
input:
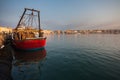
(30, 44)
(24, 37)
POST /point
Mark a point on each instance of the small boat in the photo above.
(22, 39)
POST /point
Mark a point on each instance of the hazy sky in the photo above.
(65, 14)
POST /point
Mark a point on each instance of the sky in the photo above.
(64, 14)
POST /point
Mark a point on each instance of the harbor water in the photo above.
(72, 57)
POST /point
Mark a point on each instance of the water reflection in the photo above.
(27, 65)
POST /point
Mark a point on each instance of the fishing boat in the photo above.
(24, 37)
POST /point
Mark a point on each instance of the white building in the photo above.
(5, 29)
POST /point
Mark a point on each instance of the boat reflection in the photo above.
(34, 56)
(27, 64)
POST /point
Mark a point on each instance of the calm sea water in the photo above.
(72, 57)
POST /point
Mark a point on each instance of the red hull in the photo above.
(30, 44)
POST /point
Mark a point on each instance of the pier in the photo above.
(6, 57)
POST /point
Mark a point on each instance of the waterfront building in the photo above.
(47, 32)
(5, 29)
(58, 32)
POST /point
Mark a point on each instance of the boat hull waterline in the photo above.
(30, 44)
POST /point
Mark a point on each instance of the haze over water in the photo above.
(75, 57)
(65, 14)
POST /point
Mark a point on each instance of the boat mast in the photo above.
(39, 23)
(33, 10)
(21, 19)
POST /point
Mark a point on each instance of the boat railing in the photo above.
(36, 38)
